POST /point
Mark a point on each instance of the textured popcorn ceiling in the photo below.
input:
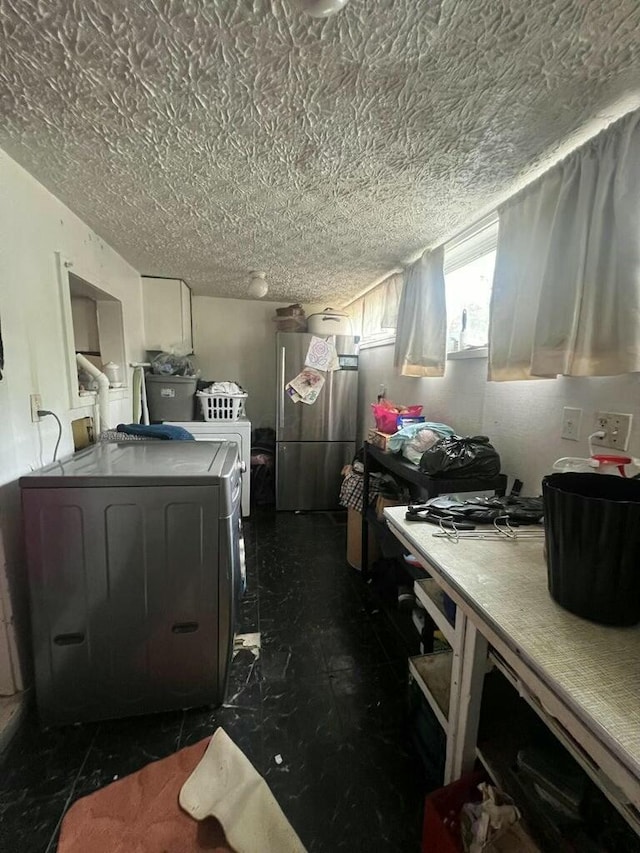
(206, 138)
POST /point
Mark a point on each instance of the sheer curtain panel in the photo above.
(566, 288)
(392, 295)
(422, 318)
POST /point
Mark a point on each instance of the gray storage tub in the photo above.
(170, 398)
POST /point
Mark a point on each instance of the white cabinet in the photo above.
(167, 314)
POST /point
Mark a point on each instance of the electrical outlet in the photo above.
(616, 428)
(36, 405)
(571, 419)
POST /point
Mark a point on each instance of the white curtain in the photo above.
(372, 313)
(566, 288)
(422, 318)
(354, 310)
(392, 295)
(375, 315)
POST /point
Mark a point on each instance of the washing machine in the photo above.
(134, 558)
(238, 431)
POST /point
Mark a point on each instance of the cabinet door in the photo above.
(162, 307)
(185, 305)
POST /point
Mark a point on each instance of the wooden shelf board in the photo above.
(431, 596)
(432, 674)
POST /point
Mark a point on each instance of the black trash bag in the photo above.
(454, 457)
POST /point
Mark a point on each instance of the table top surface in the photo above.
(594, 668)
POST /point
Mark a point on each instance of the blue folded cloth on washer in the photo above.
(165, 431)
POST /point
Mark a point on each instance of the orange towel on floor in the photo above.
(140, 814)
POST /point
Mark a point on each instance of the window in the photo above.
(468, 292)
(468, 269)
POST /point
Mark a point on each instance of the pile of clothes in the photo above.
(414, 439)
(222, 389)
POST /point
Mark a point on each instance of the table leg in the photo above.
(454, 695)
(364, 557)
(474, 668)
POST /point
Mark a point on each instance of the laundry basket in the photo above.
(170, 398)
(222, 407)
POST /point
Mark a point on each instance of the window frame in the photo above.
(474, 242)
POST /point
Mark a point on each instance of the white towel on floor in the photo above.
(225, 785)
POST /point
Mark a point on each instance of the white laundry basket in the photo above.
(222, 407)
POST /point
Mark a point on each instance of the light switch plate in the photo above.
(571, 419)
(616, 427)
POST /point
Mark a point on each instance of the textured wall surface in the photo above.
(205, 138)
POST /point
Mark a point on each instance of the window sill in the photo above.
(472, 352)
(459, 355)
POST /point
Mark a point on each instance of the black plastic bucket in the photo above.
(592, 524)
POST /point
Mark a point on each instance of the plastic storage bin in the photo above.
(170, 398)
(592, 524)
(219, 407)
(441, 829)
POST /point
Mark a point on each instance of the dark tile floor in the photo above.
(328, 695)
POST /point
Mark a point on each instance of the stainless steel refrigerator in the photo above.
(315, 441)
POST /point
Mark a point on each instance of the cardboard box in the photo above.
(379, 439)
(354, 541)
(382, 502)
(83, 434)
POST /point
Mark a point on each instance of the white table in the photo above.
(582, 679)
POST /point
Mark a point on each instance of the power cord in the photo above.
(43, 413)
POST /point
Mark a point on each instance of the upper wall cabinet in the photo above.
(167, 314)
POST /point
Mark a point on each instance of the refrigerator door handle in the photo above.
(283, 353)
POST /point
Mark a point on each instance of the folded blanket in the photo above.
(166, 431)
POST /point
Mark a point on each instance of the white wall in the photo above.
(33, 226)
(85, 324)
(235, 339)
(523, 419)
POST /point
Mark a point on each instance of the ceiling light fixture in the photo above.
(258, 287)
(322, 8)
